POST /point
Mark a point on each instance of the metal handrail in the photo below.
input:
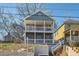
(56, 46)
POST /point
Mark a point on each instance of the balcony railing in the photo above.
(74, 41)
(40, 41)
(32, 28)
(73, 38)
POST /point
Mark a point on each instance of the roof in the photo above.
(39, 15)
(69, 21)
(74, 28)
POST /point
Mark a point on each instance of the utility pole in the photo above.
(24, 39)
(27, 46)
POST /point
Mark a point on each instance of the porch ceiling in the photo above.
(39, 22)
(75, 28)
(72, 28)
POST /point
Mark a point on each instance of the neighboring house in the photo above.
(69, 32)
(39, 28)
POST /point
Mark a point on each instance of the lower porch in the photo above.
(39, 38)
(72, 37)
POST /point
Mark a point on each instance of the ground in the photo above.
(14, 49)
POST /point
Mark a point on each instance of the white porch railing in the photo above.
(56, 46)
(73, 39)
(32, 28)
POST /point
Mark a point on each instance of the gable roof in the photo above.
(38, 15)
(69, 21)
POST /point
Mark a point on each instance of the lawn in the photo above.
(16, 46)
(14, 49)
(5, 45)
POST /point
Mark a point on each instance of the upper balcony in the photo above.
(38, 22)
(39, 26)
(38, 29)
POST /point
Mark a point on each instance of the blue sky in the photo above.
(53, 9)
(71, 10)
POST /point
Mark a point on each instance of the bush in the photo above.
(7, 42)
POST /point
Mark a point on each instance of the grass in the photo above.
(5, 45)
(16, 46)
(8, 47)
(11, 46)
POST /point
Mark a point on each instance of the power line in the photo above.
(65, 16)
(50, 15)
(63, 9)
(44, 8)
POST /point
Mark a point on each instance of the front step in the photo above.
(58, 52)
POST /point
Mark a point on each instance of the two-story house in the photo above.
(39, 28)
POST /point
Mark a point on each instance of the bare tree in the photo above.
(13, 25)
(5, 24)
(10, 25)
(18, 31)
(26, 9)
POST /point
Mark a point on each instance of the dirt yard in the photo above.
(14, 49)
(11, 49)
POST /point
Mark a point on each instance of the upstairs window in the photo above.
(67, 25)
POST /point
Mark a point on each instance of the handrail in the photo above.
(39, 28)
(55, 47)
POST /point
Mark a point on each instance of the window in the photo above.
(75, 33)
(39, 41)
(68, 26)
(48, 36)
(39, 14)
(39, 36)
(30, 27)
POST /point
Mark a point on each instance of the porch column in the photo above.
(70, 35)
(74, 36)
(44, 31)
(25, 34)
(78, 35)
(53, 34)
(34, 31)
(27, 45)
(24, 38)
(65, 40)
